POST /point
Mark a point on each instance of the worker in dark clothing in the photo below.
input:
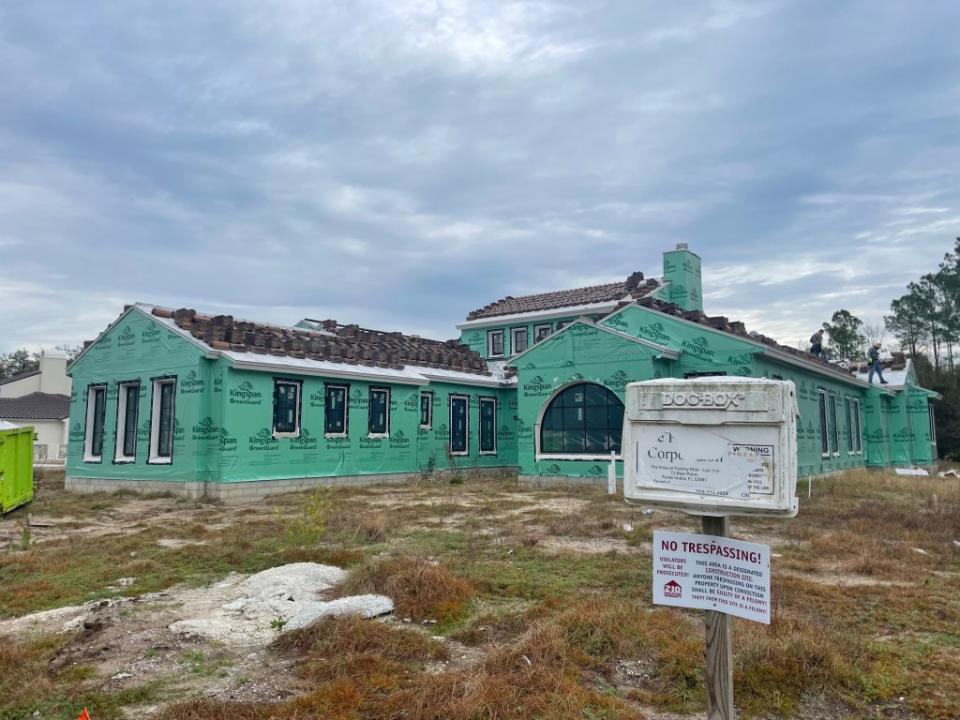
(816, 344)
(873, 360)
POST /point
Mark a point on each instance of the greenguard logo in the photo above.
(903, 435)
(617, 322)
(218, 384)
(126, 337)
(595, 472)
(443, 432)
(802, 390)
(357, 400)
(76, 432)
(529, 366)
(698, 347)
(177, 431)
(691, 267)
(678, 292)
(411, 403)
(811, 431)
(305, 441)
(576, 377)
(583, 330)
(399, 440)
(337, 441)
(524, 431)
(150, 334)
(245, 394)
(263, 440)
(371, 442)
(669, 266)
(505, 432)
(206, 430)
(143, 432)
(741, 359)
(654, 332)
(228, 443)
(874, 436)
(317, 399)
(743, 371)
(617, 381)
(536, 386)
(191, 384)
(552, 469)
(568, 364)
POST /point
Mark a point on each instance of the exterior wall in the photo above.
(53, 374)
(19, 388)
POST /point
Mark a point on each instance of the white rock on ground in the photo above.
(246, 612)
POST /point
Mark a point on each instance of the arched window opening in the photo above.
(583, 419)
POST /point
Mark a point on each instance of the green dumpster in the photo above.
(16, 467)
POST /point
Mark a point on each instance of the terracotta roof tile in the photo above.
(633, 287)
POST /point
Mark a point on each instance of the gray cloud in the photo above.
(400, 163)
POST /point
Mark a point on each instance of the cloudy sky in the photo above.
(398, 163)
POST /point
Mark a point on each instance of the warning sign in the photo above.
(712, 573)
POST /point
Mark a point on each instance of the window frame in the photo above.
(858, 422)
(932, 421)
(466, 424)
(153, 456)
(539, 453)
(835, 435)
(345, 387)
(513, 339)
(298, 385)
(491, 400)
(848, 417)
(89, 429)
(538, 328)
(386, 412)
(120, 456)
(824, 424)
(491, 334)
(428, 396)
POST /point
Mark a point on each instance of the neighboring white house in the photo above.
(41, 398)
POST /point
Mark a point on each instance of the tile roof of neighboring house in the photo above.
(331, 341)
(735, 327)
(633, 287)
(35, 406)
(21, 376)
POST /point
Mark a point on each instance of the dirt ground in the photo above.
(866, 599)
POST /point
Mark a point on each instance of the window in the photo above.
(378, 422)
(847, 412)
(286, 408)
(335, 410)
(128, 405)
(495, 343)
(458, 425)
(519, 340)
(824, 435)
(96, 412)
(426, 410)
(488, 426)
(541, 332)
(857, 432)
(162, 421)
(834, 427)
(709, 373)
(933, 427)
(583, 419)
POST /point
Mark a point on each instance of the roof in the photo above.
(21, 376)
(35, 406)
(633, 287)
(331, 343)
(895, 369)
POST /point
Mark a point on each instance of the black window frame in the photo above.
(122, 426)
(455, 397)
(858, 423)
(154, 456)
(298, 389)
(537, 337)
(345, 388)
(491, 334)
(559, 401)
(932, 420)
(89, 440)
(704, 373)
(428, 396)
(824, 429)
(487, 400)
(513, 339)
(386, 411)
(848, 417)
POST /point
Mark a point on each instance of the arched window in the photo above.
(583, 419)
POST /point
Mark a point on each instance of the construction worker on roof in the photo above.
(873, 360)
(816, 344)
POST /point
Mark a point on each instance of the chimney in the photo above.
(681, 270)
(53, 373)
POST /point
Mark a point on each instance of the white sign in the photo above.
(712, 446)
(712, 573)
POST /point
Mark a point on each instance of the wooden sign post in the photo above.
(719, 668)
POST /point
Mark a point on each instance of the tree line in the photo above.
(22, 360)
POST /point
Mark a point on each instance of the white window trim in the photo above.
(118, 456)
(88, 455)
(483, 400)
(490, 336)
(154, 458)
(466, 428)
(513, 339)
(832, 409)
(426, 394)
(346, 410)
(386, 434)
(932, 422)
(296, 431)
(825, 425)
(858, 422)
(536, 332)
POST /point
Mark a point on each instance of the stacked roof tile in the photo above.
(633, 287)
(349, 344)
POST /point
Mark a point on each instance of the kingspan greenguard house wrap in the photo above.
(209, 405)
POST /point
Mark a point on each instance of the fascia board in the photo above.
(541, 314)
(397, 377)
